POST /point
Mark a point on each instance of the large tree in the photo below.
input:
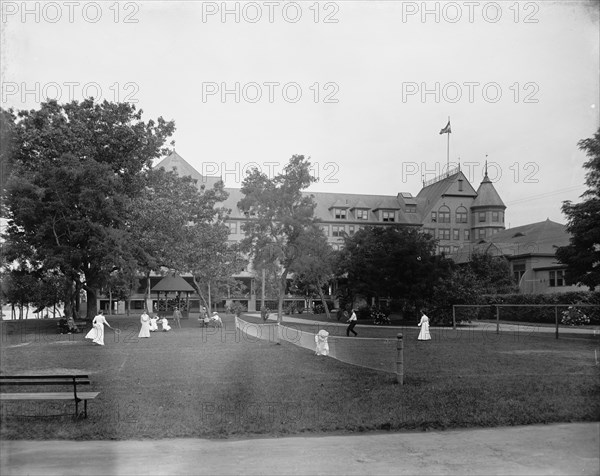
(313, 270)
(582, 255)
(392, 262)
(73, 171)
(213, 261)
(279, 214)
(172, 220)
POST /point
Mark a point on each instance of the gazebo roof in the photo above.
(172, 284)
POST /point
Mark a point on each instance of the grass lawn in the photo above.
(216, 383)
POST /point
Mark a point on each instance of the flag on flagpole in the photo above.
(446, 130)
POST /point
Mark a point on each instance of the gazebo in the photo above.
(176, 285)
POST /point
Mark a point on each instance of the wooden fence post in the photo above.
(497, 319)
(400, 359)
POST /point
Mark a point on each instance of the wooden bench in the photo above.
(49, 380)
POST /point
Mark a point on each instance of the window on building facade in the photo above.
(434, 216)
(444, 249)
(467, 235)
(337, 230)
(495, 217)
(336, 246)
(444, 233)
(518, 271)
(430, 231)
(480, 234)
(411, 209)
(387, 215)
(557, 278)
(481, 216)
(460, 185)
(456, 234)
(454, 249)
(232, 227)
(362, 214)
(325, 229)
(339, 213)
(351, 230)
(461, 215)
(444, 215)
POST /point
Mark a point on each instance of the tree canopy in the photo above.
(313, 268)
(279, 214)
(392, 262)
(582, 255)
(74, 169)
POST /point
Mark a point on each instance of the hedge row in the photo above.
(534, 314)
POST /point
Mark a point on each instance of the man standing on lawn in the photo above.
(353, 319)
(177, 316)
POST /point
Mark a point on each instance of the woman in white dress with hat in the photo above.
(165, 324)
(424, 325)
(145, 329)
(97, 331)
(322, 344)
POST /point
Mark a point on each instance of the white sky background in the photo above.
(374, 139)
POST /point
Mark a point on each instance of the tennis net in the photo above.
(372, 353)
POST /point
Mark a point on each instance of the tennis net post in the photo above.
(400, 359)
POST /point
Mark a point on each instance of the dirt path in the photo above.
(562, 449)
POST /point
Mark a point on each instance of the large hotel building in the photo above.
(448, 207)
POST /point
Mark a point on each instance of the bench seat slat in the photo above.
(10, 377)
(48, 396)
(42, 382)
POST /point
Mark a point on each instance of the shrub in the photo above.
(319, 309)
(363, 312)
(237, 308)
(574, 317)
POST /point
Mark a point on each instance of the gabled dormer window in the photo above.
(339, 213)
(362, 214)
(388, 215)
(410, 208)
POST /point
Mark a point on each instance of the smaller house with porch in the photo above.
(531, 252)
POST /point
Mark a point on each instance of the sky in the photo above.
(363, 88)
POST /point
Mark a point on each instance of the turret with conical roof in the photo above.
(487, 211)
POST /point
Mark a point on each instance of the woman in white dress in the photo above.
(322, 344)
(145, 329)
(97, 331)
(154, 323)
(165, 324)
(424, 325)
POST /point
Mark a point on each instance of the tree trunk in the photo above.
(282, 284)
(200, 292)
(92, 302)
(110, 302)
(209, 297)
(323, 301)
(147, 292)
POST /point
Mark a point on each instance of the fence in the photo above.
(498, 307)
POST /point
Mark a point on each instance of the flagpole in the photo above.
(448, 152)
